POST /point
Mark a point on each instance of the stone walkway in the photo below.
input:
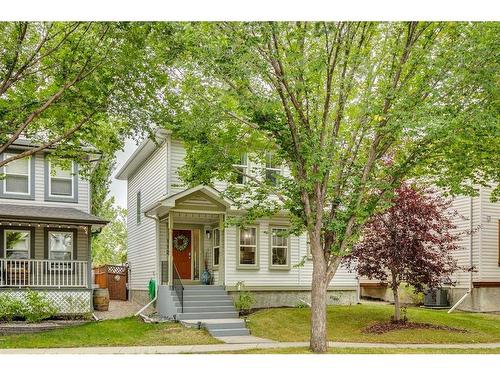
(118, 310)
(232, 347)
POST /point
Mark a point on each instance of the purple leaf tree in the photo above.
(410, 242)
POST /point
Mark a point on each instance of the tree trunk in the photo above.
(397, 314)
(318, 343)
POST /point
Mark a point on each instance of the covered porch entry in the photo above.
(190, 227)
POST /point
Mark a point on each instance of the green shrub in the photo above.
(10, 308)
(245, 299)
(38, 307)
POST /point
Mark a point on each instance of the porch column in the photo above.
(170, 224)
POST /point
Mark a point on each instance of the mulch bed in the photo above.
(384, 327)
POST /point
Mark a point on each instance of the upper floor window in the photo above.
(61, 181)
(17, 176)
(273, 169)
(242, 167)
(17, 243)
(216, 246)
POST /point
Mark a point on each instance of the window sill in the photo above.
(280, 268)
(249, 267)
(61, 199)
(17, 196)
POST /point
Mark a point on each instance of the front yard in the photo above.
(346, 323)
(120, 332)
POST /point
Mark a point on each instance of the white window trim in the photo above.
(28, 250)
(244, 167)
(53, 262)
(215, 266)
(273, 266)
(254, 266)
(72, 179)
(8, 155)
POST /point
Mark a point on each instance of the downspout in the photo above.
(157, 222)
(471, 267)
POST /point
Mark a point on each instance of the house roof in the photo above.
(145, 149)
(170, 201)
(53, 214)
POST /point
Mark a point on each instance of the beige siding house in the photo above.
(45, 229)
(479, 253)
(175, 232)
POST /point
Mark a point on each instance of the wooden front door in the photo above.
(181, 247)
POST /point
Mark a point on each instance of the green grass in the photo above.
(366, 351)
(345, 323)
(120, 332)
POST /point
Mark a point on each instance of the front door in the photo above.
(181, 246)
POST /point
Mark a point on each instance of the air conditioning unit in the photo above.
(436, 298)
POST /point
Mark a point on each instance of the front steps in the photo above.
(210, 306)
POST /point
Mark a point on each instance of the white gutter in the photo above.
(469, 291)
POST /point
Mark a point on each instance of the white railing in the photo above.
(43, 273)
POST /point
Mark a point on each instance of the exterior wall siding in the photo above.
(83, 190)
(151, 180)
(489, 267)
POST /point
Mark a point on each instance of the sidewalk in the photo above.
(232, 347)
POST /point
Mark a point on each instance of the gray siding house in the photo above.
(175, 232)
(45, 231)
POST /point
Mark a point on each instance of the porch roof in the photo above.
(166, 203)
(16, 212)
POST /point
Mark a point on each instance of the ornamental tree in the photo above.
(350, 108)
(411, 242)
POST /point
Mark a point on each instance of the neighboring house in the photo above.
(174, 231)
(479, 252)
(45, 231)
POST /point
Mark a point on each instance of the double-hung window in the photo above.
(60, 248)
(280, 249)
(248, 251)
(17, 179)
(242, 167)
(273, 169)
(61, 181)
(17, 243)
(216, 246)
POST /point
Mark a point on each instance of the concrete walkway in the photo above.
(179, 349)
(118, 310)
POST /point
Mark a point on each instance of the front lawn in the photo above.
(119, 332)
(345, 323)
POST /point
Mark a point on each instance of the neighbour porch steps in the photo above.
(211, 307)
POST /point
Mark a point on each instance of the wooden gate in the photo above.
(114, 278)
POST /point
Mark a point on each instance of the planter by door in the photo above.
(182, 246)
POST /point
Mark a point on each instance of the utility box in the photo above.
(436, 298)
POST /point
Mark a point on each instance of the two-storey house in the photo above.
(45, 230)
(175, 232)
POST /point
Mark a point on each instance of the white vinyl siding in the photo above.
(295, 277)
(151, 180)
(489, 269)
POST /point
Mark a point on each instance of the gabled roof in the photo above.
(28, 213)
(171, 201)
(145, 149)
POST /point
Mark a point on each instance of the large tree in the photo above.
(410, 242)
(79, 86)
(351, 108)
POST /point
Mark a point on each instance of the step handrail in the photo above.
(178, 287)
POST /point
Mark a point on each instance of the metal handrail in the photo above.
(178, 287)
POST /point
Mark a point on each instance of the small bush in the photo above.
(10, 308)
(245, 299)
(34, 307)
(38, 307)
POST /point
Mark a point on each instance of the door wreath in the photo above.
(181, 242)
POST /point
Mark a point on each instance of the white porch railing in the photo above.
(43, 273)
